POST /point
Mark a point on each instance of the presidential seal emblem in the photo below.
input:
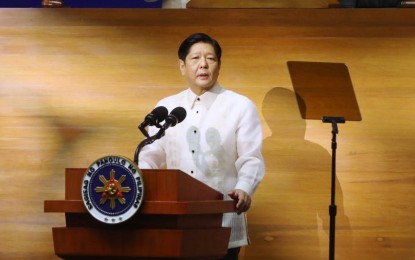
(112, 189)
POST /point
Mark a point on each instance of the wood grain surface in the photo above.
(75, 84)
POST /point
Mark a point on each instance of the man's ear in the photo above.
(182, 66)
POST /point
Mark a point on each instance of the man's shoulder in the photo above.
(176, 95)
(173, 100)
(235, 97)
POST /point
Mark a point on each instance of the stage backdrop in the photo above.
(74, 85)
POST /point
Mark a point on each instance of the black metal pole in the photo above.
(332, 207)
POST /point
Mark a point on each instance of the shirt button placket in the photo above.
(195, 131)
(198, 99)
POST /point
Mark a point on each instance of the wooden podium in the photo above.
(180, 218)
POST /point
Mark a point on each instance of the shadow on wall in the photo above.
(289, 218)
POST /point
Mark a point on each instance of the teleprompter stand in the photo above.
(325, 92)
(333, 207)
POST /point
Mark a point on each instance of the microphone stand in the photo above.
(332, 207)
(148, 140)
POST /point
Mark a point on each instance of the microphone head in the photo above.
(179, 113)
(158, 115)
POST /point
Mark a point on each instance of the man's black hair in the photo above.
(195, 38)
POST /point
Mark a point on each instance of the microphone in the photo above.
(176, 116)
(154, 117)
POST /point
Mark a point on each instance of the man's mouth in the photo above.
(202, 75)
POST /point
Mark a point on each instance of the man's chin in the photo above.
(205, 84)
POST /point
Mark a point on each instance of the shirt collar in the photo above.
(206, 98)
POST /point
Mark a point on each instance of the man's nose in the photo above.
(203, 63)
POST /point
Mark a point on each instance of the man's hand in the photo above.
(243, 200)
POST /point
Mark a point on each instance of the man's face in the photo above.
(200, 68)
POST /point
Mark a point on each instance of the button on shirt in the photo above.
(219, 143)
